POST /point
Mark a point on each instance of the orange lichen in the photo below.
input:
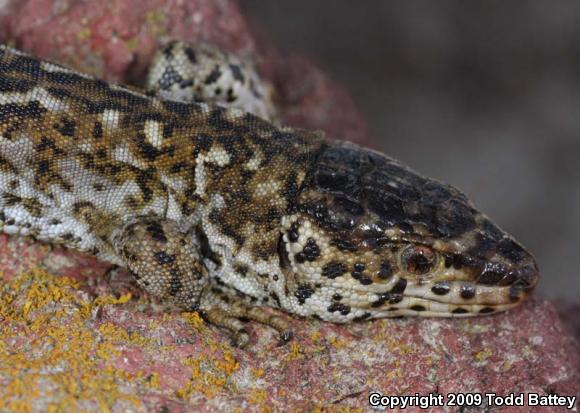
(295, 352)
(483, 355)
(338, 343)
(194, 320)
(153, 380)
(316, 336)
(65, 363)
(58, 351)
(258, 373)
(210, 375)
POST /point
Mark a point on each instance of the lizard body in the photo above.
(225, 213)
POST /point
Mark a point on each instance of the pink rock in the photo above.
(103, 345)
(569, 313)
(115, 40)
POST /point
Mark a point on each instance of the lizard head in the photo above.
(372, 238)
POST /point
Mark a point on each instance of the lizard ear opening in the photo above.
(283, 253)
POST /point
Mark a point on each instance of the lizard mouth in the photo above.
(453, 292)
(432, 282)
(458, 299)
(472, 288)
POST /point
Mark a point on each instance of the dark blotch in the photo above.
(388, 206)
(343, 245)
(275, 298)
(526, 276)
(213, 76)
(362, 317)
(491, 230)
(283, 254)
(333, 269)
(399, 287)
(241, 269)
(65, 127)
(303, 292)
(311, 250)
(467, 291)
(406, 228)
(491, 275)
(43, 166)
(163, 258)
(441, 288)
(511, 250)
(448, 260)
(237, 73)
(300, 257)
(387, 297)
(293, 233)
(8, 85)
(175, 284)
(98, 130)
(343, 309)
(385, 271)
(190, 53)
(156, 231)
(332, 180)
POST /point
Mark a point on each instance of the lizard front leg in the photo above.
(167, 264)
(164, 260)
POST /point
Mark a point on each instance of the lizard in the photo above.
(226, 212)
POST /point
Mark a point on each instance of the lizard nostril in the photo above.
(526, 277)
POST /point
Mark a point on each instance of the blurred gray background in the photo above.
(484, 95)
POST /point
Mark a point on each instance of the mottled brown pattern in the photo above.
(224, 212)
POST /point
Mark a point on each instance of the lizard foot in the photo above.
(230, 312)
(204, 73)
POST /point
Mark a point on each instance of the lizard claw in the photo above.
(241, 338)
(285, 337)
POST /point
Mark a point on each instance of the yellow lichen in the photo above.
(338, 343)
(153, 380)
(295, 352)
(194, 320)
(259, 397)
(258, 373)
(84, 33)
(156, 22)
(316, 336)
(66, 362)
(483, 355)
(209, 375)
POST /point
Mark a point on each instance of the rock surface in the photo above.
(86, 338)
(115, 40)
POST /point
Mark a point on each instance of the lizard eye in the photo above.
(418, 259)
